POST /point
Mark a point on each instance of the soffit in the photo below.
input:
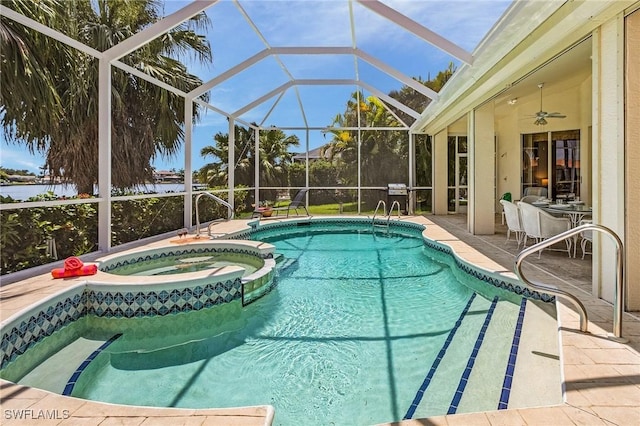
(549, 51)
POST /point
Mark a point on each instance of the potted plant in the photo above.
(265, 209)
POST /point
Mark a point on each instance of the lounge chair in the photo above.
(298, 201)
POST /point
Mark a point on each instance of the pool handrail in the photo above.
(219, 201)
(618, 300)
(395, 203)
(375, 213)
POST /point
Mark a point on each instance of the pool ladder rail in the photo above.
(213, 222)
(382, 204)
(618, 299)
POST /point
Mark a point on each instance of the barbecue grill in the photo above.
(397, 192)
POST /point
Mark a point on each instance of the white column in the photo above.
(608, 150)
(482, 171)
(412, 174)
(104, 155)
(256, 171)
(440, 193)
(188, 155)
(231, 165)
(306, 164)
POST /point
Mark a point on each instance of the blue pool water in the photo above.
(353, 333)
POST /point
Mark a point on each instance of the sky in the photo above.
(307, 23)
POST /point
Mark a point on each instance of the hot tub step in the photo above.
(62, 364)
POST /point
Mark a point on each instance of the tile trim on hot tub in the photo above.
(110, 266)
(17, 337)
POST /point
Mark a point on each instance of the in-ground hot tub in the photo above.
(244, 269)
(203, 257)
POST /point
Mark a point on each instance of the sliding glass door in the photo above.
(458, 183)
(556, 168)
(565, 156)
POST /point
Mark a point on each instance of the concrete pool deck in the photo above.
(602, 377)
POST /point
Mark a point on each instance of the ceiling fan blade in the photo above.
(542, 115)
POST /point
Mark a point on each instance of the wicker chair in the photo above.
(541, 225)
(514, 222)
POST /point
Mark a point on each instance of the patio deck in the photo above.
(602, 378)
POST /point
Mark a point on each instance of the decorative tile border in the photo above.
(16, 339)
(142, 304)
(68, 389)
(159, 255)
(490, 278)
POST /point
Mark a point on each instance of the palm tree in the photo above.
(29, 101)
(146, 120)
(274, 156)
(380, 151)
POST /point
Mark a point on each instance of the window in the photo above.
(457, 174)
(558, 168)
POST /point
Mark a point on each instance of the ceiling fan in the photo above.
(541, 115)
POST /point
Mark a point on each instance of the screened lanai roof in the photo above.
(294, 64)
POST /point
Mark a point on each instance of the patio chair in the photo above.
(514, 222)
(540, 191)
(530, 199)
(541, 225)
(505, 196)
(586, 237)
(298, 201)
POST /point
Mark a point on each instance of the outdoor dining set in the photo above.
(538, 218)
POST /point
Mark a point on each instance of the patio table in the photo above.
(575, 213)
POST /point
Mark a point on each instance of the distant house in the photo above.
(166, 176)
(22, 178)
(314, 154)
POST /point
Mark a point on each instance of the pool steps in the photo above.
(64, 363)
(495, 375)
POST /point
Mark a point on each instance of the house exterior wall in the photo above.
(632, 160)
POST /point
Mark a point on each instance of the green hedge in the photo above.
(28, 236)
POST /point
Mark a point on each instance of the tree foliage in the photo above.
(381, 153)
(50, 90)
(275, 157)
(416, 101)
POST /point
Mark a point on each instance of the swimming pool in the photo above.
(360, 329)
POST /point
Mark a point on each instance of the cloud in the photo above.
(314, 23)
(20, 158)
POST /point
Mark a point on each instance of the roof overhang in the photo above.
(530, 35)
